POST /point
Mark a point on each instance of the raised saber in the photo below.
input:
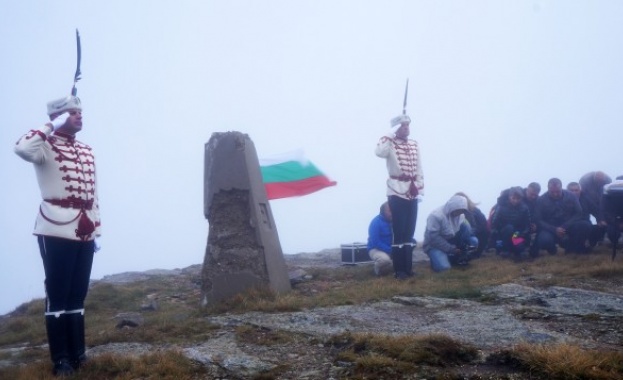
(74, 90)
(404, 102)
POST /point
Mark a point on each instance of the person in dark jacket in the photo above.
(612, 208)
(511, 224)
(598, 230)
(529, 198)
(558, 216)
(592, 186)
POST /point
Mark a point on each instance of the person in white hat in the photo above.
(66, 226)
(405, 186)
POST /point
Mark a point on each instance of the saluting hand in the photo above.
(392, 131)
(59, 121)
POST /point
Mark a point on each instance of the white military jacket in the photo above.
(65, 171)
(404, 167)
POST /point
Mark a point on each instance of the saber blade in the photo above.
(404, 102)
(74, 90)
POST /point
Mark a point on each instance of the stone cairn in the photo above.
(243, 249)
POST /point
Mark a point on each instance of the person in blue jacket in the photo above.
(380, 241)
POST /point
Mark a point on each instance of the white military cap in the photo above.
(399, 120)
(64, 104)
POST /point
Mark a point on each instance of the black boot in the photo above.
(398, 261)
(408, 259)
(75, 339)
(56, 327)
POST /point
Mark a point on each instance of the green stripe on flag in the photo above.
(289, 171)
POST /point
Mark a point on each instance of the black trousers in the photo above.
(67, 265)
(404, 217)
(577, 233)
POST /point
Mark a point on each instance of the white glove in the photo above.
(97, 246)
(392, 131)
(60, 120)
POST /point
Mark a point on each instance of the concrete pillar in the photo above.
(243, 249)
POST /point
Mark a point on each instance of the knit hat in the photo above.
(64, 104)
(399, 120)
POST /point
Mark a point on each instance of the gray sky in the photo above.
(502, 93)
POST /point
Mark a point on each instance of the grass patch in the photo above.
(376, 355)
(26, 325)
(160, 365)
(167, 325)
(564, 361)
(263, 336)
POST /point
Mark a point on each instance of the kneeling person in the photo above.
(559, 220)
(380, 241)
(612, 205)
(448, 238)
(511, 224)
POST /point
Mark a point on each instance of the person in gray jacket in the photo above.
(448, 237)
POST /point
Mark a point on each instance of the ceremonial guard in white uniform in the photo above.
(66, 226)
(404, 187)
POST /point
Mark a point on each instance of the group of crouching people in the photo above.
(523, 224)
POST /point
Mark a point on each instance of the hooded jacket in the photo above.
(440, 226)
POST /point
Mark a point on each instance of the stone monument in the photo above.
(243, 249)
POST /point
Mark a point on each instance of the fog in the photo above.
(501, 93)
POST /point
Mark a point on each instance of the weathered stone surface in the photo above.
(555, 300)
(225, 353)
(129, 349)
(243, 249)
(488, 326)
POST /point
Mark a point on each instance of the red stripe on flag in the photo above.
(276, 190)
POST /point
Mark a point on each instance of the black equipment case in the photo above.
(354, 253)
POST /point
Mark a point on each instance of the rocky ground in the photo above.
(514, 313)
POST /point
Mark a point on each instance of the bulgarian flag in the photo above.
(290, 175)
